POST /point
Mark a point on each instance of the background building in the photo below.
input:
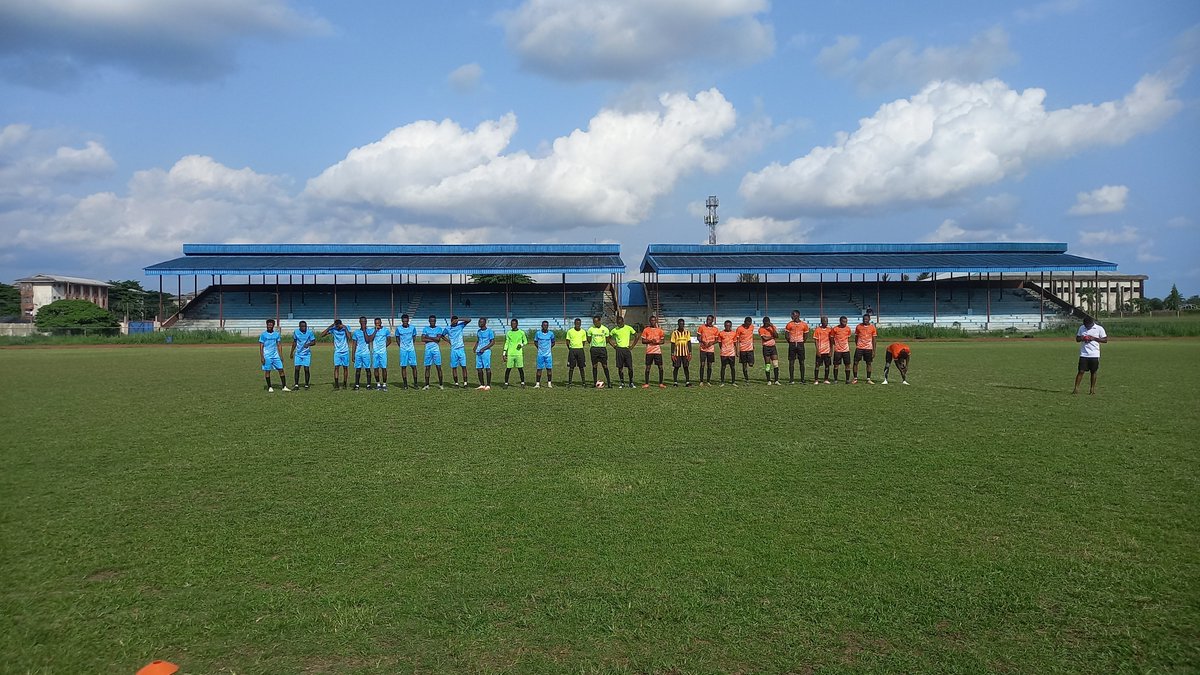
(43, 289)
(1116, 290)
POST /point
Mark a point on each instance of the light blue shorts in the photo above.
(272, 363)
(483, 360)
(458, 357)
(545, 362)
(341, 359)
(433, 356)
(302, 360)
(379, 359)
(408, 357)
(362, 359)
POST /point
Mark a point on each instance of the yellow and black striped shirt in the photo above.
(681, 343)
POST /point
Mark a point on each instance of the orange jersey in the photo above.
(796, 330)
(654, 335)
(728, 339)
(841, 338)
(821, 336)
(864, 336)
(745, 338)
(707, 334)
(768, 333)
(895, 348)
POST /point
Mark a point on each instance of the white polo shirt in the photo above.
(1091, 348)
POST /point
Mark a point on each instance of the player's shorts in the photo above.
(841, 357)
(302, 361)
(515, 360)
(599, 355)
(276, 363)
(770, 352)
(824, 360)
(408, 357)
(654, 359)
(545, 362)
(362, 359)
(341, 359)
(458, 357)
(867, 355)
(575, 357)
(625, 357)
(747, 357)
(433, 356)
(887, 357)
(795, 351)
(379, 359)
(483, 360)
(678, 361)
(1089, 363)
(707, 357)
(730, 361)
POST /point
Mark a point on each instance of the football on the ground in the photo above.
(599, 384)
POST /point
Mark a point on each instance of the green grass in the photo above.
(157, 503)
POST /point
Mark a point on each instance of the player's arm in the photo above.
(262, 357)
(292, 351)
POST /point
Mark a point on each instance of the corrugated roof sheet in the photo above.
(547, 263)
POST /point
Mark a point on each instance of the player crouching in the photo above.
(899, 353)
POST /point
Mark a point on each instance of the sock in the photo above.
(776, 373)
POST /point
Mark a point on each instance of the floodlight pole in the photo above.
(710, 221)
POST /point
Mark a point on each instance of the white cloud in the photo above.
(634, 39)
(610, 173)
(1045, 10)
(45, 43)
(1180, 222)
(466, 77)
(762, 230)
(1146, 254)
(946, 140)
(36, 163)
(1126, 235)
(1106, 199)
(901, 62)
(953, 231)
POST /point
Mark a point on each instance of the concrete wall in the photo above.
(17, 329)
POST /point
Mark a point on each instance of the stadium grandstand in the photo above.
(972, 286)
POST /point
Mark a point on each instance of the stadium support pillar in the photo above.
(935, 298)
(221, 301)
(451, 294)
(160, 309)
(821, 292)
(335, 312)
(766, 298)
(877, 298)
(714, 283)
(507, 305)
(277, 300)
(178, 292)
(1042, 301)
(987, 324)
(392, 295)
(564, 285)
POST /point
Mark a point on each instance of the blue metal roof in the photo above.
(393, 259)
(865, 258)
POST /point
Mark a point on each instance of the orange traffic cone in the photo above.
(158, 668)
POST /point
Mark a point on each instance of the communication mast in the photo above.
(711, 220)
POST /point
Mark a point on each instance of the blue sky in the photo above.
(128, 128)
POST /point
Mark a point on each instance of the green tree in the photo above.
(746, 278)
(501, 279)
(923, 276)
(74, 314)
(10, 300)
(1154, 303)
(128, 299)
(1174, 299)
(1089, 297)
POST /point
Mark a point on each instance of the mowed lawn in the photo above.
(156, 502)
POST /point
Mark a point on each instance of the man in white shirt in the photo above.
(1089, 336)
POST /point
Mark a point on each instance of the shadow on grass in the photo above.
(1041, 389)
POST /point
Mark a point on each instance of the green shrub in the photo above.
(71, 314)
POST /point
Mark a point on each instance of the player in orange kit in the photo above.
(899, 353)
(841, 347)
(821, 336)
(745, 347)
(707, 335)
(653, 337)
(768, 333)
(797, 333)
(728, 340)
(864, 346)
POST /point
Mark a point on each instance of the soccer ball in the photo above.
(599, 384)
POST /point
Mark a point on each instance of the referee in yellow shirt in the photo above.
(598, 335)
(623, 338)
(681, 354)
(576, 339)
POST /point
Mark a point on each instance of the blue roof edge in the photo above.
(950, 247)
(399, 249)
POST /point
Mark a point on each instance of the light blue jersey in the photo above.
(484, 337)
(433, 332)
(456, 334)
(270, 344)
(360, 340)
(303, 341)
(380, 338)
(544, 342)
(341, 345)
(405, 336)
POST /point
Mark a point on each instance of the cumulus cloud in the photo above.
(901, 62)
(762, 230)
(1045, 10)
(466, 77)
(948, 139)
(952, 230)
(1107, 199)
(1180, 222)
(35, 164)
(633, 39)
(1126, 235)
(612, 172)
(46, 43)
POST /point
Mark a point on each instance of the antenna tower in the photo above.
(711, 220)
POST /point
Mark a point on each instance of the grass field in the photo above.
(157, 503)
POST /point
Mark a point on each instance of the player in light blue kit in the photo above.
(431, 335)
(381, 339)
(484, 339)
(361, 352)
(458, 349)
(268, 355)
(341, 352)
(544, 339)
(301, 353)
(406, 335)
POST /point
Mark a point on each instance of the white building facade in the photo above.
(40, 290)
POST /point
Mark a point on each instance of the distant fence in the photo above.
(17, 329)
